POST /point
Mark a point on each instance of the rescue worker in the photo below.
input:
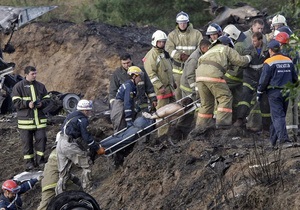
(254, 119)
(251, 75)
(122, 113)
(11, 197)
(145, 88)
(181, 42)
(29, 98)
(277, 22)
(76, 146)
(157, 63)
(214, 31)
(188, 82)
(188, 87)
(234, 74)
(278, 70)
(292, 120)
(211, 85)
(50, 178)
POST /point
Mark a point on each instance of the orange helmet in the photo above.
(11, 186)
(283, 38)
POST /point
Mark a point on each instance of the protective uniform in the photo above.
(31, 122)
(278, 21)
(51, 176)
(158, 66)
(251, 75)
(144, 88)
(72, 147)
(234, 74)
(277, 71)
(211, 85)
(122, 113)
(188, 80)
(178, 43)
(17, 202)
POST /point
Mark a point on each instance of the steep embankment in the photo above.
(206, 171)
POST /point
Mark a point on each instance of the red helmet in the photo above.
(283, 38)
(11, 186)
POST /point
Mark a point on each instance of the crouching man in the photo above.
(74, 146)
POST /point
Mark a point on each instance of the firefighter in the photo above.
(145, 88)
(251, 75)
(181, 42)
(29, 99)
(278, 70)
(188, 86)
(211, 85)
(234, 74)
(11, 197)
(214, 31)
(277, 22)
(157, 63)
(50, 178)
(76, 145)
(187, 82)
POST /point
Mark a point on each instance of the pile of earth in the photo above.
(230, 169)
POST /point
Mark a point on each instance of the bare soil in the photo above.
(211, 170)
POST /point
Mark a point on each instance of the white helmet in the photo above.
(182, 17)
(158, 36)
(234, 33)
(84, 104)
(214, 29)
(279, 19)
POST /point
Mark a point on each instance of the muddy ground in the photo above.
(231, 169)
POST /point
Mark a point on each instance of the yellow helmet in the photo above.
(134, 70)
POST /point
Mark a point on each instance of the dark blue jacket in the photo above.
(77, 128)
(126, 93)
(277, 72)
(16, 204)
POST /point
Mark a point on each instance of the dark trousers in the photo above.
(29, 145)
(278, 106)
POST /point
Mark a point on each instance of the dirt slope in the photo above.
(206, 171)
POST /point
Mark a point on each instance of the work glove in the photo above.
(8, 48)
(129, 123)
(258, 96)
(101, 150)
(183, 57)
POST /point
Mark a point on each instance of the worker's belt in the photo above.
(215, 64)
(179, 64)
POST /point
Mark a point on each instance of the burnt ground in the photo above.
(231, 169)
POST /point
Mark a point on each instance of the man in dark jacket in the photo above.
(278, 70)
(11, 197)
(29, 98)
(75, 144)
(145, 90)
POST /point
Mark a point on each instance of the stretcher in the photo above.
(121, 139)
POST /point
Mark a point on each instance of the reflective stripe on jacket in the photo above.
(182, 42)
(24, 92)
(158, 66)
